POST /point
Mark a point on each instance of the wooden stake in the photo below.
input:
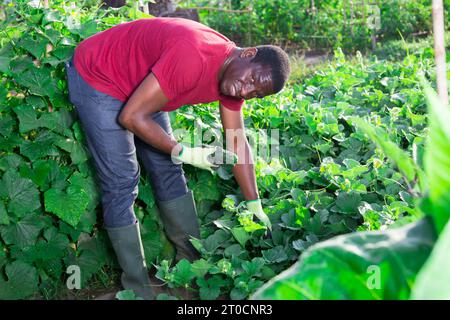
(439, 50)
(145, 8)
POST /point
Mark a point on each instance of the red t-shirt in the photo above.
(185, 56)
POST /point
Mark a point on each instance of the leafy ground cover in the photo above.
(329, 179)
(398, 263)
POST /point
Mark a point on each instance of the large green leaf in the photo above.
(51, 248)
(38, 174)
(363, 265)
(34, 46)
(206, 188)
(277, 254)
(433, 280)
(437, 159)
(22, 194)
(22, 281)
(215, 240)
(348, 202)
(58, 121)
(27, 118)
(183, 273)
(57, 175)
(43, 145)
(23, 232)
(63, 53)
(88, 184)
(38, 81)
(210, 288)
(241, 235)
(69, 205)
(46, 173)
(46, 253)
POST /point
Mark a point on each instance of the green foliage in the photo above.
(437, 160)
(127, 295)
(328, 25)
(338, 268)
(22, 281)
(49, 200)
(347, 267)
(329, 178)
(401, 158)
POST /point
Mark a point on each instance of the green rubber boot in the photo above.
(127, 245)
(179, 217)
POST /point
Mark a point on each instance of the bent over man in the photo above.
(123, 82)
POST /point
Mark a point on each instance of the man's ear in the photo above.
(249, 52)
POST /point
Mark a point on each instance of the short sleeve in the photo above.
(231, 103)
(178, 69)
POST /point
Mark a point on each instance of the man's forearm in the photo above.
(244, 170)
(151, 132)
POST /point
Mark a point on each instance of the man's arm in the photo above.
(236, 141)
(136, 115)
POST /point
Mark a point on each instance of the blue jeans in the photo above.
(115, 152)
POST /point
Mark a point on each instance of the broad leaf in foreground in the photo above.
(363, 265)
(428, 285)
(69, 206)
(437, 159)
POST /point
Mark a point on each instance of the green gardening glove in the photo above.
(207, 158)
(255, 207)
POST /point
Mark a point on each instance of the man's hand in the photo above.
(255, 207)
(207, 158)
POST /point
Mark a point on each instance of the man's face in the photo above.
(246, 80)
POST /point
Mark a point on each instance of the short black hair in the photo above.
(277, 60)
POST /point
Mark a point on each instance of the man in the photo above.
(123, 81)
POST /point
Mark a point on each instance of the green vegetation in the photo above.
(329, 24)
(330, 179)
(335, 175)
(341, 268)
